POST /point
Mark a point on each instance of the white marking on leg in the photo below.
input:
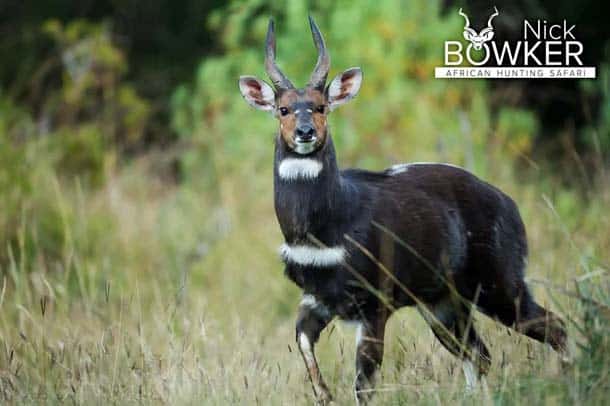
(368, 383)
(472, 378)
(359, 329)
(299, 168)
(307, 255)
(305, 346)
(567, 356)
(310, 302)
(312, 366)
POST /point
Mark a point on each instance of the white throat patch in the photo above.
(312, 256)
(299, 168)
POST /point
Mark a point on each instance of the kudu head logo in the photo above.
(482, 37)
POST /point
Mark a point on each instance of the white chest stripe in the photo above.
(307, 255)
(295, 168)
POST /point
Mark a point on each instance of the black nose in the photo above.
(305, 132)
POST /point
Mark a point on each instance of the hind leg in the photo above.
(369, 355)
(451, 324)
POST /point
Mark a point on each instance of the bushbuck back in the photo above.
(363, 244)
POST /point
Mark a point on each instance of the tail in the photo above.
(543, 325)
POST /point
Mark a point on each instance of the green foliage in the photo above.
(93, 92)
(80, 153)
(594, 294)
(517, 129)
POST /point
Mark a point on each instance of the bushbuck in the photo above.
(363, 244)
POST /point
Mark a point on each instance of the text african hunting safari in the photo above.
(362, 244)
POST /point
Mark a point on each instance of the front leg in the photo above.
(369, 355)
(313, 318)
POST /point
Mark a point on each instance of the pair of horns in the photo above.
(320, 72)
(491, 17)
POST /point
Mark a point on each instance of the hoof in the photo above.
(324, 399)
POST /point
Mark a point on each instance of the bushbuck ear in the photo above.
(257, 93)
(343, 87)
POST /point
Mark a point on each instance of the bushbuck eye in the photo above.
(283, 111)
(320, 108)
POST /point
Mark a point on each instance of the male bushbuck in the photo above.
(362, 244)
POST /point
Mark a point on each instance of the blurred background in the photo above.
(137, 233)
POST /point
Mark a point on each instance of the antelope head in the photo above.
(485, 35)
(302, 112)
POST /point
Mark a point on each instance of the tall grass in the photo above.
(176, 300)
